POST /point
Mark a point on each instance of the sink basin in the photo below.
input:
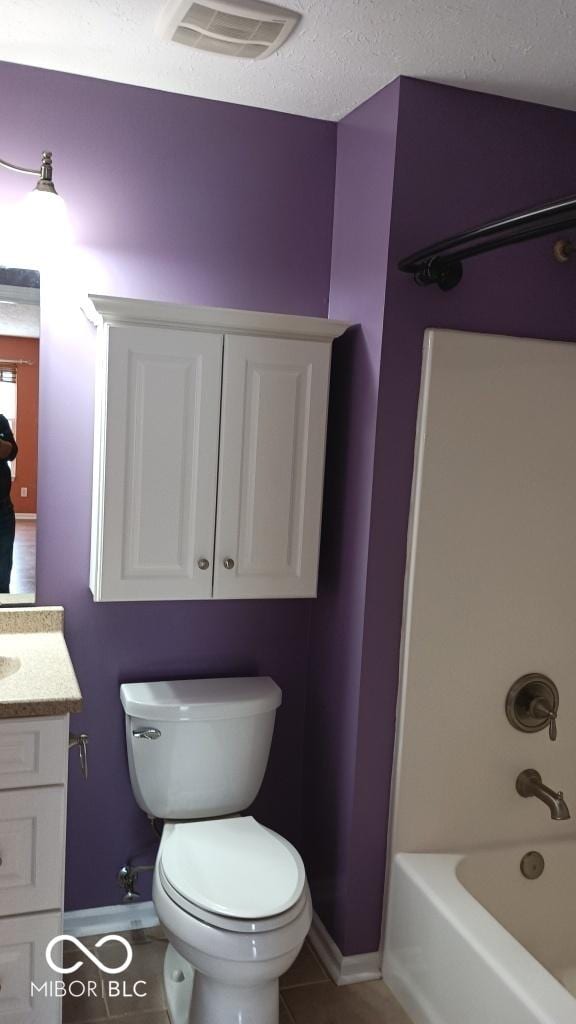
(8, 666)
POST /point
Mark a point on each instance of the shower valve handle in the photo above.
(541, 709)
(552, 730)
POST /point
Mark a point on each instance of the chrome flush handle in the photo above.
(146, 733)
(80, 740)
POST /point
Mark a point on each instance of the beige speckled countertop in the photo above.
(36, 674)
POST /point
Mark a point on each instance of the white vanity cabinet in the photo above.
(209, 451)
(33, 773)
(39, 692)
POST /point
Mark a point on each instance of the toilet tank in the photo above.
(198, 748)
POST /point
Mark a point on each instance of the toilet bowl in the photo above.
(231, 894)
(234, 902)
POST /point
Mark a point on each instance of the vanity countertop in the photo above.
(36, 673)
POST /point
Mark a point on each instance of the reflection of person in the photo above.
(8, 452)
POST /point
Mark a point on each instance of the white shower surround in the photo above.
(490, 595)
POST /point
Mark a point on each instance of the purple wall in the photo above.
(365, 172)
(174, 199)
(460, 158)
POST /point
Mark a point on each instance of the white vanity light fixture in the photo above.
(42, 218)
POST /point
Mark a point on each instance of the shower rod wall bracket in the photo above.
(441, 263)
(445, 274)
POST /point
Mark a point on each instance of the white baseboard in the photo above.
(344, 970)
(25, 515)
(125, 917)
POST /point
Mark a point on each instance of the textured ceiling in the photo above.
(343, 52)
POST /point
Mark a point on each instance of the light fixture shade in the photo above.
(35, 230)
(48, 223)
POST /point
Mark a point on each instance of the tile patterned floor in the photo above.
(307, 994)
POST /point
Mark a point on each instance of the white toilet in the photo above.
(230, 893)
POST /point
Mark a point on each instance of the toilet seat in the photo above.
(233, 873)
(233, 924)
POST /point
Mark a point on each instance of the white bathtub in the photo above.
(469, 940)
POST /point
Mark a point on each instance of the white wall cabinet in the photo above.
(209, 451)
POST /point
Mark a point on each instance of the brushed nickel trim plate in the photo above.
(532, 865)
(532, 704)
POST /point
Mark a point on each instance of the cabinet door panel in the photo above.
(273, 427)
(32, 823)
(23, 942)
(160, 463)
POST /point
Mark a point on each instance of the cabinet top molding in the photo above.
(106, 309)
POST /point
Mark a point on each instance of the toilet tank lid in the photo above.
(185, 700)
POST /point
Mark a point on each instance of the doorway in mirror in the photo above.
(19, 378)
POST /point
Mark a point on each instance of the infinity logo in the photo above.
(88, 952)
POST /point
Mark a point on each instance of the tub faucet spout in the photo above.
(529, 783)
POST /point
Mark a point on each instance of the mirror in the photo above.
(19, 372)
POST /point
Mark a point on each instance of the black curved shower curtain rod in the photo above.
(441, 263)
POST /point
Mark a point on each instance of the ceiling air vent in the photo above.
(235, 28)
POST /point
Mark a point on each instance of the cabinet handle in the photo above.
(228, 563)
(203, 563)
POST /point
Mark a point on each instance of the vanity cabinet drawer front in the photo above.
(23, 942)
(31, 844)
(33, 752)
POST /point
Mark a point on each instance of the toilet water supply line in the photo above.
(127, 877)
